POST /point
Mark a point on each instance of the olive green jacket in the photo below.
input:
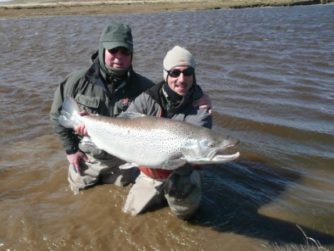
(95, 95)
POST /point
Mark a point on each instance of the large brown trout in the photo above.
(151, 141)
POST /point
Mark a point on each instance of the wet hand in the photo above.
(204, 103)
(81, 129)
(76, 159)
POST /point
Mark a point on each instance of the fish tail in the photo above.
(70, 113)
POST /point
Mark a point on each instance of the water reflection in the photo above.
(235, 195)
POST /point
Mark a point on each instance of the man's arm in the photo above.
(69, 139)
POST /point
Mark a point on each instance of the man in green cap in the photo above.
(106, 88)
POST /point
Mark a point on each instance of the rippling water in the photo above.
(270, 74)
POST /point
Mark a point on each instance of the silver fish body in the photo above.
(151, 141)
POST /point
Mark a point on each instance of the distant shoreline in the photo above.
(24, 8)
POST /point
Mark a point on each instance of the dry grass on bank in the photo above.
(23, 8)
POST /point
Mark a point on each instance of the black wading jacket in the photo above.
(95, 95)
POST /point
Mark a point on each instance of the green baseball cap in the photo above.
(117, 35)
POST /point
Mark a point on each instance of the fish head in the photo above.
(211, 148)
(221, 148)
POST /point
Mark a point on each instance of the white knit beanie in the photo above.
(176, 57)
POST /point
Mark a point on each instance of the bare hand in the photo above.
(76, 159)
(81, 129)
(204, 102)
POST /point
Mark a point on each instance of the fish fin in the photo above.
(88, 141)
(70, 113)
(131, 115)
(128, 165)
(65, 121)
(173, 164)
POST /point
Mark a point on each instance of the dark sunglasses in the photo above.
(122, 50)
(176, 72)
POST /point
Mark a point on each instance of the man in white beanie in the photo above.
(177, 97)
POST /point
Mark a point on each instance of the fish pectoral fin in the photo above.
(132, 115)
(173, 164)
(128, 165)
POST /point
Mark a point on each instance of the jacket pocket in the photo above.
(88, 103)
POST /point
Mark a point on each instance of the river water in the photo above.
(269, 72)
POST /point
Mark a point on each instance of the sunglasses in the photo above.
(122, 50)
(176, 72)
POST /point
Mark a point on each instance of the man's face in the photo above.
(180, 79)
(118, 58)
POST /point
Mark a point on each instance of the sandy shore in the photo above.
(23, 8)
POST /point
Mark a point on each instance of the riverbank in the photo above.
(24, 8)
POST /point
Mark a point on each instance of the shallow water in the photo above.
(269, 72)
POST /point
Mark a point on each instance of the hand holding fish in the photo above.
(76, 159)
(81, 129)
